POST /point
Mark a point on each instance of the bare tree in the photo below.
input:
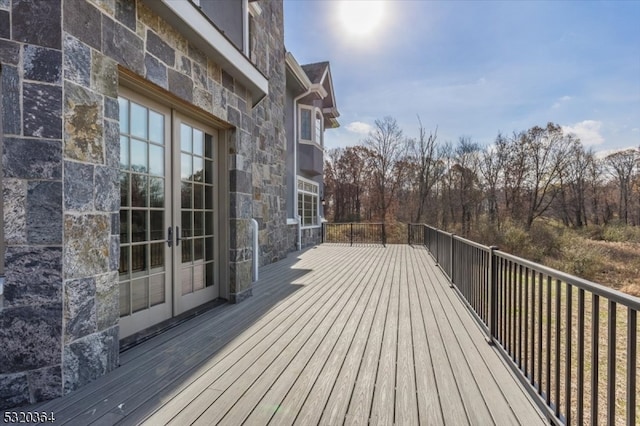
(547, 154)
(424, 153)
(622, 165)
(387, 146)
(491, 169)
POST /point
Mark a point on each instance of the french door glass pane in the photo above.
(156, 290)
(125, 306)
(139, 294)
(139, 125)
(142, 215)
(197, 202)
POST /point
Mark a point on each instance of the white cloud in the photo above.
(588, 131)
(561, 101)
(359, 127)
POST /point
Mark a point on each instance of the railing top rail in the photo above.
(353, 223)
(472, 243)
(609, 293)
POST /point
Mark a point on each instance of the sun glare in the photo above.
(361, 17)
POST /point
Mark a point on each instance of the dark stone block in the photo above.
(112, 143)
(77, 61)
(88, 358)
(126, 13)
(42, 64)
(122, 45)
(240, 181)
(234, 117)
(181, 85)
(111, 108)
(9, 52)
(14, 391)
(33, 275)
(78, 186)
(32, 158)
(37, 22)
(107, 300)
(247, 121)
(31, 337)
(83, 22)
(46, 383)
(79, 309)
(44, 212)
(156, 71)
(160, 49)
(5, 24)
(11, 118)
(107, 189)
(42, 110)
(227, 81)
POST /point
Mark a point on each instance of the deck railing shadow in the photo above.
(572, 342)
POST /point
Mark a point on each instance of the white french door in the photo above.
(168, 216)
(195, 266)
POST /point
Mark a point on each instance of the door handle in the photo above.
(178, 236)
(169, 237)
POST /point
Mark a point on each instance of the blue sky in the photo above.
(474, 68)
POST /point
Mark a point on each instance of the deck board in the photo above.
(333, 335)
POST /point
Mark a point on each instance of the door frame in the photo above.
(133, 84)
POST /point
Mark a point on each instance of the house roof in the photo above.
(315, 79)
(316, 71)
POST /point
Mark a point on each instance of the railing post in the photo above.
(451, 260)
(351, 236)
(322, 233)
(409, 233)
(493, 294)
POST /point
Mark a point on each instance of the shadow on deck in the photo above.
(334, 335)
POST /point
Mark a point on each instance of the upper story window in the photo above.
(231, 17)
(305, 124)
(318, 128)
(310, 125)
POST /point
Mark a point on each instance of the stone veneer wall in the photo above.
(59, 317)
(268, 170)
(310, 237)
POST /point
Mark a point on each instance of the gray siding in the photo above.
(227, 16)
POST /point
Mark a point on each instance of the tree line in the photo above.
(541, 172)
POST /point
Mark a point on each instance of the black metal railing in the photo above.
(574, 343)
(354, 233)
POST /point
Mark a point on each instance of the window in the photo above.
(318, 135)
(310, 125)
(308, 200)
(305, 124)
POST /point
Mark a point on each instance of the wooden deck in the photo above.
(335, 335)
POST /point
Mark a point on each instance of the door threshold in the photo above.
(155, 330)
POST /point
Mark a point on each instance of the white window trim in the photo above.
(316, 194)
